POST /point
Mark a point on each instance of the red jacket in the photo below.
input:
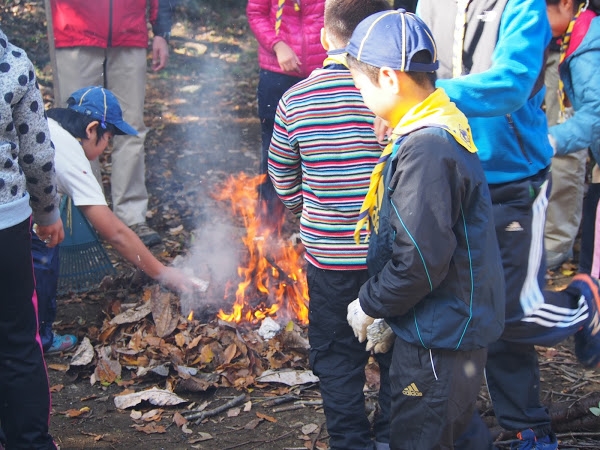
(104, 23)
(301, 25)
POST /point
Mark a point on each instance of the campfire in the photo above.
(273, 282)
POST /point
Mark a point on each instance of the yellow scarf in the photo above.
(335, 58)
(279, 15)
(435, 111)
(564, 46)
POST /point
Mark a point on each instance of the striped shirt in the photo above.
(321, 157)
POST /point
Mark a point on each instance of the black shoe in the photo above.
(146, 234)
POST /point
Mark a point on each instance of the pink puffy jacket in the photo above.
(300, 29)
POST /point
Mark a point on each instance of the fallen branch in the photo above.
(201, 415)
(299, 405)
(314, 440)
(280, 400)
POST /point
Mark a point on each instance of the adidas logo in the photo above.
(514, 226)
(412, 391)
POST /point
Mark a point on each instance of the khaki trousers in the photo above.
(122, 70)
(563, 214)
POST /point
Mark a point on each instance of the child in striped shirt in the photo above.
(320, 161)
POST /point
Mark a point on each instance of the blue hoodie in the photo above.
(582, 86)
(500, 100)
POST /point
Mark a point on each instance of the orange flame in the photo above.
(275, 268)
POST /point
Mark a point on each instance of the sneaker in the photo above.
(529, 441)
(61, 344)
(587, 340)
(147, 235)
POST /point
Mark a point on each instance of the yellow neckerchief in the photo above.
(334, 57)
(279, 13)
(435, 111)
(564, 46)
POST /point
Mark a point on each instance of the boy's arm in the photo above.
(517, 60)
(285, 164)
(583, 128)
(129, 245)
(424, 204)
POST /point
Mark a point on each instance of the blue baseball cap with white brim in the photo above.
(102, 105)
(391, 39)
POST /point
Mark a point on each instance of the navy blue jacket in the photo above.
(438, 278)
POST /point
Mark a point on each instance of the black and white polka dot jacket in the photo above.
(27, 178)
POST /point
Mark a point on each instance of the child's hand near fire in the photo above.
(177, 280)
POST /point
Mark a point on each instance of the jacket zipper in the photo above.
(110, 16)
(511, 123)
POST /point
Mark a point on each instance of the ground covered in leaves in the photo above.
(148, 374)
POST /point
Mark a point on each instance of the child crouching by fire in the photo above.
(80, 133)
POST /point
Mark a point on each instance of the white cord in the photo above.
(432, 365)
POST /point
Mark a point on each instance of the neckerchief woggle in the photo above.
(435, 111)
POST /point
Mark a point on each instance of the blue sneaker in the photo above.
(587, 340)
(61, 344)
(529, 441)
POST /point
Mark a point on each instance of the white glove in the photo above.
(380, 336)
(358, 320)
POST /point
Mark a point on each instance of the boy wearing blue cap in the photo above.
(320, 158)
(80, 133)
(435, 264)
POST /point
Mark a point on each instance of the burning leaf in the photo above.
(289, 377)
(84, 353)
(165, 311)
(273, 278)
(155, 396)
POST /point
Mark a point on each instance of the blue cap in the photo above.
(102, 105)
(391, 39)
